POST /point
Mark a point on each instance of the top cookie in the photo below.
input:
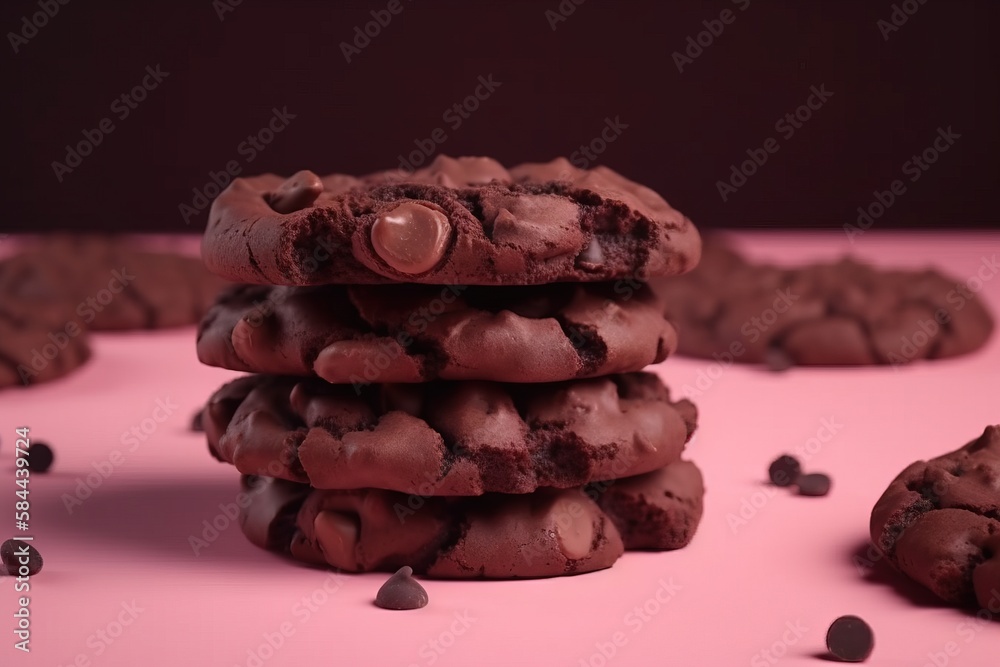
(458, 221)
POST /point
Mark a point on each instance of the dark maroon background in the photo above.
(606, 60)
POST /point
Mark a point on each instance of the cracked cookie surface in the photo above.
(939, 523)
(415, 333)
(466, 221)
(448, 438)
(844, 313)
(544, 534)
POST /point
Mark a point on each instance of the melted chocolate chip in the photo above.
(411, 237)
(298, 192)
(401, 591)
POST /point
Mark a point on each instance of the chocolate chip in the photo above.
(339, 533)
(777, 359)
(850, 639)
(40, 457)
(197, 423)
(592, 257)
(298, 192)
(13, 551)
(784, 470)
(813, 484)
(574, 529)
(412, 237)
(401, 591)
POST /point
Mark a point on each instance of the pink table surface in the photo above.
(123, 586)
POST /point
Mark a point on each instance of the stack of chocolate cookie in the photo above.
(447, 368)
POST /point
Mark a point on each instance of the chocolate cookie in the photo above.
(939, 523)
(40, 339)
(415, 333)
(448, 438)
(104, 283)
(466, 221)
(33, 351)
(658, 510)
(845, 313)
(543, 534)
